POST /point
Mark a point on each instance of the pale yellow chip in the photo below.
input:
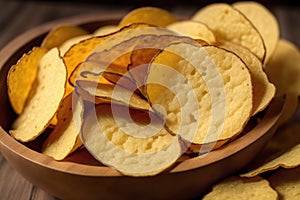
(283, 150)
(64, 139)
(104, 30)
(287, 183)
(289, 109)
(193, 29)
(64, 47)
(283, 68)
(58, 35)
(229, 24)
(264, 21)
(115, 93)
(263, 90)
(242, 188)
(138, 140)
(21, 77)
(49, 92)
(204, 97)
(149, 15)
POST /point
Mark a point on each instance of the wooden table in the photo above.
(18, 16)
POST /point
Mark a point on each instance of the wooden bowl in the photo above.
(85, 180)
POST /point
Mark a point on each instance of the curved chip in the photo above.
(264, 21)
(238, 188)
(283, 68)
(204, 97)
(64, 47)
(193, 29)
(131, 141)
(58, 35)
(105, 30)
(21, 77)
(263, 90)
(49, 92)
(64, 139)
(149, 15)
(287, 183)
(231, 25)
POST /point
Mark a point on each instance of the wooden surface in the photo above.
(18, 16)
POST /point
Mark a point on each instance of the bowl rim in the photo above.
(6, 141)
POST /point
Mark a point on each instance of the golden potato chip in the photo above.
(289, 109)
(115, 93)
(105, 30)
(149, 15)
(40, 109)
(263, 90)
(193, 29)
(142, 145)
(238, 188)
(229, 24)
(58, 35)
(21, 77)
(78, 53)
(64, 47)
(205, 97)
(283, 68)
(287, 183)
(264, 21)
(64, 139)
(283, 150)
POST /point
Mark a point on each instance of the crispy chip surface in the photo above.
(49, 92)
(242, 188)
(138, 140)
(205, 98)
(229, 24)
(21, 77)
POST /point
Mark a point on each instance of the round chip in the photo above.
(264, 21)
(205, 93)
(42, 106)
(149, 15)
(57, 36)
(131, 141)
(21, 78)
(231, 25)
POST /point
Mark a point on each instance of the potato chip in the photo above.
(263, 90)
(131, 141)
(287, 183)
(149, 15)
(116, 94)
(283, 150)
(193, 29)
(21, 77)
(105, 30)
(64, 47)
(238, 188)
(264, 21)
(289, 109)
(229, 24)
(58, 35)
(283, 68)
(206, 98)
(64, 139)
(40, 109)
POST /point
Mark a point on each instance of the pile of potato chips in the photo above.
(155, 90)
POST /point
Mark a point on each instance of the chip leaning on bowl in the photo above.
(194, 103)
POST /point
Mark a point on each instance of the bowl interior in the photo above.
(84, 163)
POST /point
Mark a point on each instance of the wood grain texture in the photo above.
(17, 17)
